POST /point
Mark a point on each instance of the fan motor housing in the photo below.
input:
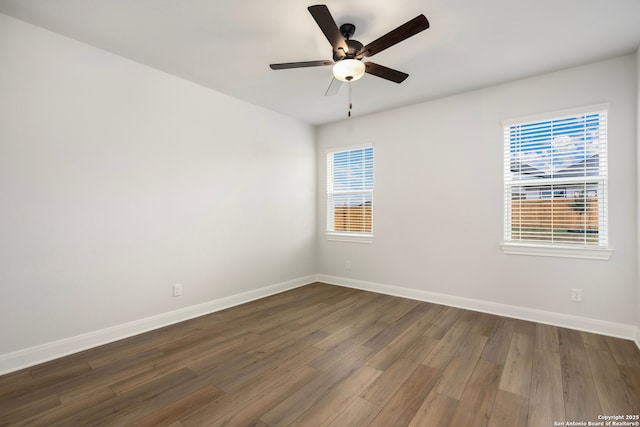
(354, 48)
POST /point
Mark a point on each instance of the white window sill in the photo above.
(556, 251)
(350, 237)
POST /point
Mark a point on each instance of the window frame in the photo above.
(601, 251)
(330, 232)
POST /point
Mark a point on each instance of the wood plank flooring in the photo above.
(324, 355)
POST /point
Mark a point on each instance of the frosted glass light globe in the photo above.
(348, 70)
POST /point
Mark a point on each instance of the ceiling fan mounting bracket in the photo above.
(347, 30)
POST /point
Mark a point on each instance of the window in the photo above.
(555, 185)
(350, 194)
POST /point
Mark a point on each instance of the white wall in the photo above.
(117, 181)
(638, 194)
(438, 209)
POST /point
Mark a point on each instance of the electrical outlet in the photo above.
(347, 265)
(177, 290)
(576, 295)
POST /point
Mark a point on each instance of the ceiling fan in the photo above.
(348, 54)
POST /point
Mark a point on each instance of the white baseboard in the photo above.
(34, 355)
(42, 353)
(613, 329)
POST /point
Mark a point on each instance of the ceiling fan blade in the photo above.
(385, 72)
(328, 25)
(303, 64)
(403, 32)
(334, 87)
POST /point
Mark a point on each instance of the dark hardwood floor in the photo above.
(332, 356)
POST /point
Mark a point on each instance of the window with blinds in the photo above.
(350, 192)
(555, 180)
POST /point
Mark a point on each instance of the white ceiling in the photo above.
(228, 46)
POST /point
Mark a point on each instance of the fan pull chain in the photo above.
(350, 104)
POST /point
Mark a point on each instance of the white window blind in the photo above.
(350, 191)
(555, 180)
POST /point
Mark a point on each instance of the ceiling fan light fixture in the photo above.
(348, 70)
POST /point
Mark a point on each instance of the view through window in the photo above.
(350, 191)
(555, 180)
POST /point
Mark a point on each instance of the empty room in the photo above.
(279, 213)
